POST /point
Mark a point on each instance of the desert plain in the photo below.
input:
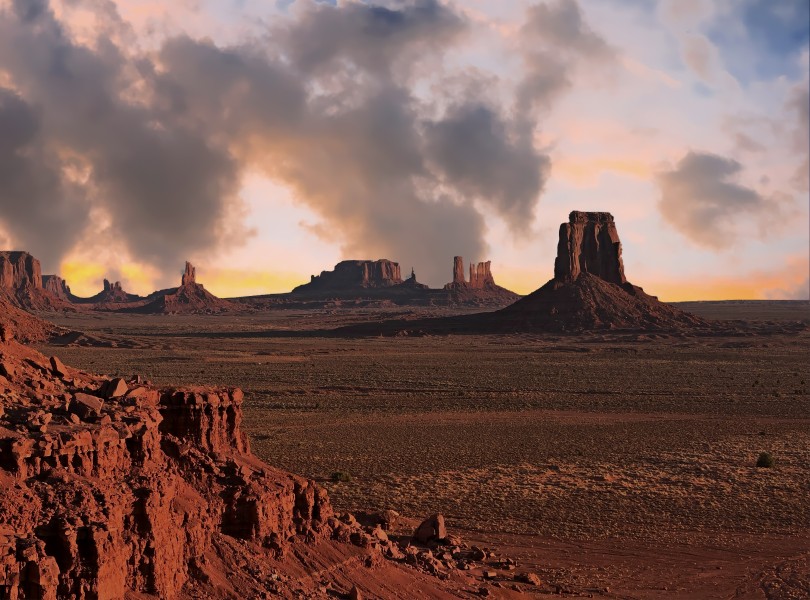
(612, 465)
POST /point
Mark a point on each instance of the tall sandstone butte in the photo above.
(19, 270)
(189, 275)
(21, 283)
(589, 243)
(589, 290)
(480, 275)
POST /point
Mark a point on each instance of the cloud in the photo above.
(701, 198)
(329, 100)
(799, 104)
(40, 207)
(484, 157)
(167, 188)
(555, 41)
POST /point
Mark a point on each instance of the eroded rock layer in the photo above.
(354, 274)
(589, 243)
(112, 487)
(21, 283)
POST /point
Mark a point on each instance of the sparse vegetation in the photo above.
(765, 460)
(341, 477)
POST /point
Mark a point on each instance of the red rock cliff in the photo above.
(19, 270)
(57, 287)
(113, 487)
(589, 243)
(480, 276)
(355, 274)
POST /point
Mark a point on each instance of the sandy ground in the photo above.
(615, 465)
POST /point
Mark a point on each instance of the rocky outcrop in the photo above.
(412, 284)
(589, 243)
(117, 489)
(480, 276)
(111, 296)
(23, 326)
(190, 298)
(458, 271)
(19, 270)
(354, 274)
(56, 286)
(589, 290)
(480, 290)
(21, 283)
(189, 275)
(132, 493)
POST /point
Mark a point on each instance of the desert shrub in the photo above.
(765, 460)
(341, 476)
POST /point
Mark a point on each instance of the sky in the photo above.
(266, 141)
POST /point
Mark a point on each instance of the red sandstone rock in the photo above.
(589, 290)
(18, 324)
(589, 243)
(57, 287)
(458, 270)
(190, 298)
(58, 367)
(85, 405)
(137, 504)
(21, 283)
(19, 270)
(431, 529)
(355, 274)
(189, 275)
(114, 388)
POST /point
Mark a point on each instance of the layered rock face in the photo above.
(57, 287)
(589, 243)
(19, 270)
(355, 274)
(480, 276)
(21, 283)
(114, 487)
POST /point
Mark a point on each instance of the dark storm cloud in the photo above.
(38, 207)
(324, 103)
(701, 198)
(166, 188)
(490, 159)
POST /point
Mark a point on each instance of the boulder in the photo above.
(58, 367)
(85, 405)
(432, 529)
(114, 388)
